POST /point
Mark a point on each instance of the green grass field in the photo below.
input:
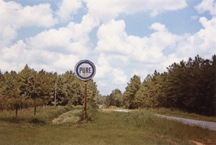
(105, 128)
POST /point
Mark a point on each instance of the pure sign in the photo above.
(85, 70)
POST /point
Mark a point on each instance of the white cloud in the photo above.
(14, 16)
(207, 5)
(16, 56)
(172, 58)
(104, 69)
(54, 49)
(145, 54)
(74, 38)
(109, 9)
(203, 42)
(158, 27)
(13, 58)
(15, 52)
(109, 77)
(66, 62)
(142, 73)
(102, 84)
(8, 66)
(119, 55)
(50, 39)
(194, 17)
(67, 8)
(118, 76)
(38, 15)
(113, 39)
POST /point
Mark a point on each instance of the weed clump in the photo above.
(142, 118)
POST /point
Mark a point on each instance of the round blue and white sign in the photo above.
(85, 70)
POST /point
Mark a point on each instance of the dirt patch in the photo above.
(118, 110)
(196, 142)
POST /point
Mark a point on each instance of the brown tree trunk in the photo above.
(35, 110)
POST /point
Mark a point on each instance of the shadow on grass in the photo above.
(40, 118)
(38, 121)
(13, 119)
(19, 120)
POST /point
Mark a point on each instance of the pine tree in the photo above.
(114, 99)
(92, 92)
(131, 91)
(27, 87)
(10, 92)
(150, 92)
(2, 99)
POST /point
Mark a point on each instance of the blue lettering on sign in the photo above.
(85, 70)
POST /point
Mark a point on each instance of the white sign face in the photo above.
(85, 70)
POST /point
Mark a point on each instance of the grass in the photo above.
(73, 116)
(44, 115)
(149, 122)
(177, 113)
(106, 128)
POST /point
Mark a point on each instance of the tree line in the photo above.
(30, 88)
(189, 86)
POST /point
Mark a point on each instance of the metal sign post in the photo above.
(85, 71)
(85, 96)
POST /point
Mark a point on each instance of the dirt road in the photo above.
(203, 124)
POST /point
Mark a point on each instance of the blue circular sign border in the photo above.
(93, 70)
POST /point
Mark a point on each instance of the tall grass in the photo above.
(44, 115)
(146, 120)
(107, 128)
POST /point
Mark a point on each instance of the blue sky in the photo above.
(122, 37)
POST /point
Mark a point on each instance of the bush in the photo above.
(39, 121)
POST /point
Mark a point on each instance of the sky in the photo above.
(122, 38)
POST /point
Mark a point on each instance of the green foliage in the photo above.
(29, 88)
(99, 99)
(130, 92)
(189, 86)
(114, 99)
